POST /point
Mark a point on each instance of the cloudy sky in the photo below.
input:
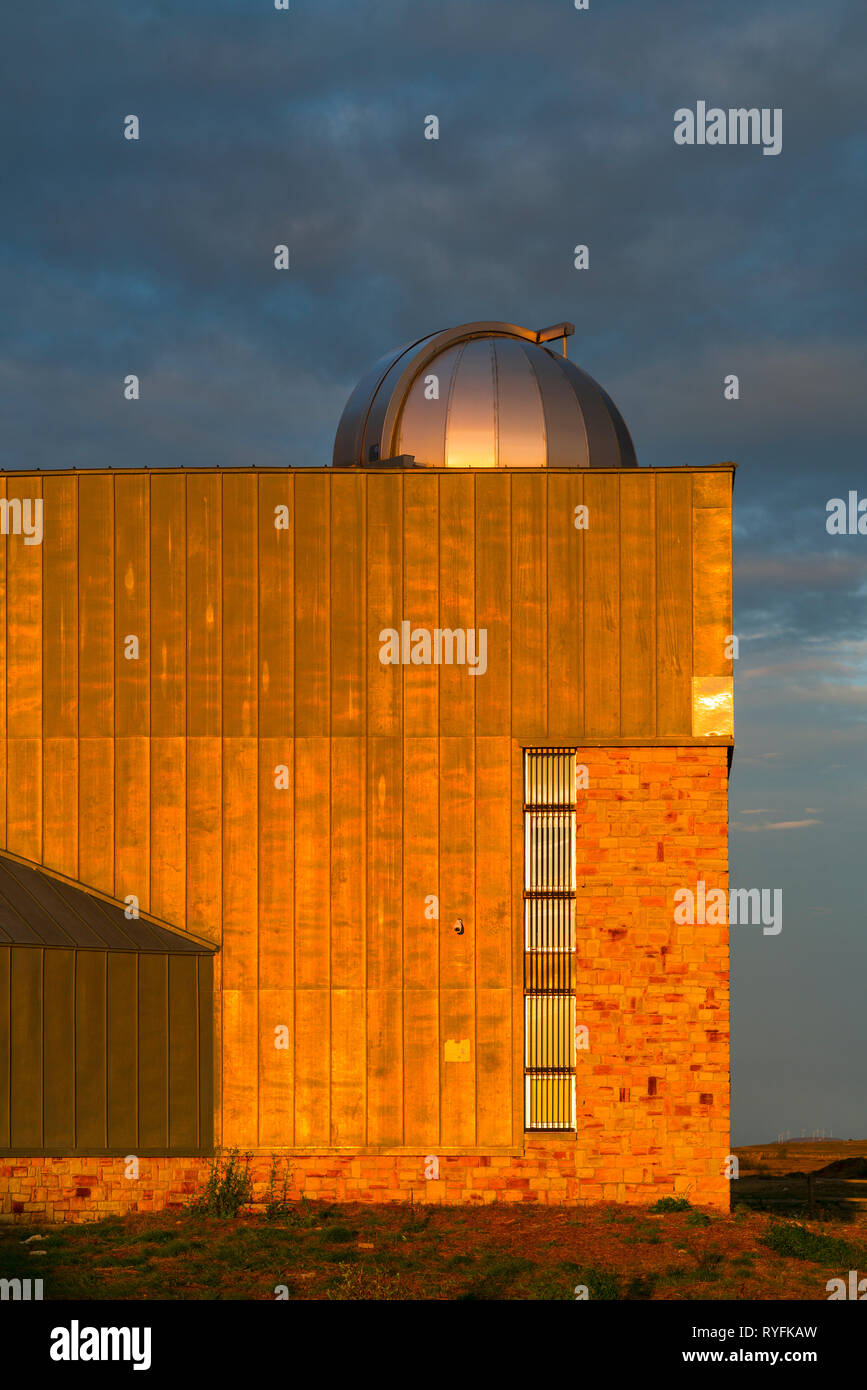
(556, 127)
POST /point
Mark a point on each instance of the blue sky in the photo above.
(556, 127)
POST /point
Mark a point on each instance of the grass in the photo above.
(798, 1243)
(348, 1252)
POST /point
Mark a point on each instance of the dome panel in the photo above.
(521, 430)
(422, 425)
(568, 444)
(471, 424)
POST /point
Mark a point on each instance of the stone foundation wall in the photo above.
(81, 1189)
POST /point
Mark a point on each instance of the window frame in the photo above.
(548, 965)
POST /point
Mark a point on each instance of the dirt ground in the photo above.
(767, 1248)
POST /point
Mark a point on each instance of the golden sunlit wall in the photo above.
(253, 773)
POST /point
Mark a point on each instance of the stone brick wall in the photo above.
(652, 1086)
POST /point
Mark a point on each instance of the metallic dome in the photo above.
(486, 395)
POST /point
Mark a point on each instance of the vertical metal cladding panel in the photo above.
(276, 938)
(240, 605)
(183, 1053)
(600, 547)
(132, 561)
(153, 1052)
(168, 824)
(421, 1040)
(421, 598)
(5, 1047)
(204, 606)
(105, 1052)
(121, 1046)
(168, 605)
(132, 822)
(495, 935)
(384, 564)
(312, 914)
(674, 581)
(91, 1051)
(276, 602)
(204, 837)
(457, 564)
(205, 1002)
(637, 605)
(96, 639)
(312, 589)
(421, 1043)
(493, 526)
(24, 614)
(59, 1043)
(712, 607)
(348, 657)
(132, 791)
(529, 607)
(24, 672)
(384, 941)
(25, 1048)
(348, 907)
(565, 606)
(240, 831)
(457, 954)
(168, 813)
(60, 674)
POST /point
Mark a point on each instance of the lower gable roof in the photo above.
(37, 909)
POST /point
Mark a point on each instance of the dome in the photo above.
(486, 395)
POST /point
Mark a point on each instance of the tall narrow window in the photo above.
(549, 938)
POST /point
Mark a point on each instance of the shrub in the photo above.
(672, 1204)
(228, 1186)
(278, 1203)
(698, 1218)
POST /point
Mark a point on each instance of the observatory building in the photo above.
(343, 809)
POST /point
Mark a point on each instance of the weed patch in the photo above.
(800, 1244)
(228, 1186)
